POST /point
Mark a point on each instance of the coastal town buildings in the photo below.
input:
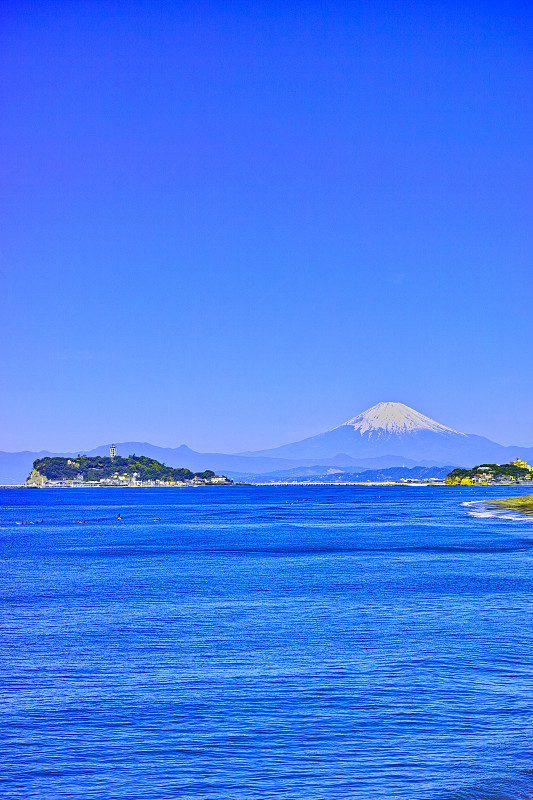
(516, 472)
(522, 464)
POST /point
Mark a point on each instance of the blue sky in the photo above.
(236, 225)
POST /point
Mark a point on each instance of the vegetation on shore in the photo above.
(523, 504)
(490, 473)
(98, 468)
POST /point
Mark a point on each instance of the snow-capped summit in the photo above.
(393, 429)
(394, 418)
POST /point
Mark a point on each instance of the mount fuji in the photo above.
(394, 429)
(385, 436)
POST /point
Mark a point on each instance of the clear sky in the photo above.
(238, 224)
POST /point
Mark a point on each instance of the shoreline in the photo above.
(127, 486)
(523, 504)
(234, 486)
(277, 483)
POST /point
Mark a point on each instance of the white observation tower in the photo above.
(112, 451)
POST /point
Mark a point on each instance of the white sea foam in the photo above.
(481, 514)
(495, 513)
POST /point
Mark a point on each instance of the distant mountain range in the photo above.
(322, 474)
(394, 429)
(386, 435)
(15, 467)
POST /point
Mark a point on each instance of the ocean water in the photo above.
(265, 642)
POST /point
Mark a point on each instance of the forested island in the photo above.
(116, 471)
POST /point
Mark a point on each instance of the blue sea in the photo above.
(265, 642)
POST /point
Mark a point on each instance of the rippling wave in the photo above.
(479, 508)
(268, 642)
